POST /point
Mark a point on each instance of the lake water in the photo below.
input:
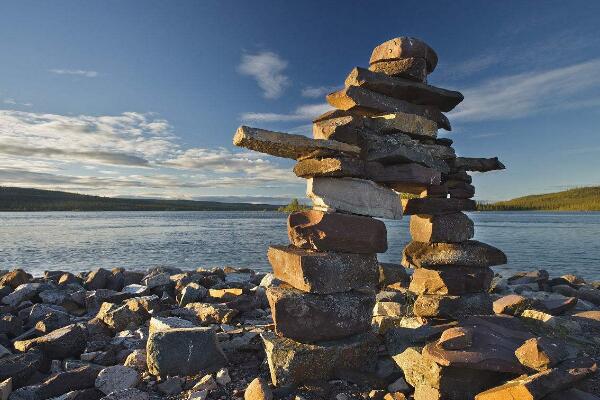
(76, 241)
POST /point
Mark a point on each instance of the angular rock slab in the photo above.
(356, 196)
(477, 164)
(411, 173)
(404, 47)
(455, 307)
(183, 351)
(324, 273)
(286, 145)
(20, 367)
(342, 126)
(454, 280)
(404, 89)
(366, 102)
(414, 69)
(434, 382)
(456, 227)
(436, 206)
(319, 231)
(61, 343)
(408, 123)
(492, 347)
(309, 317)
(292, 363)
(541, 353)
(330, 167)
(543, 383)
(467, 254)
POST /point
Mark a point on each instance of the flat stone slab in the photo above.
(404, 89)
(541, 353)
(366, 102)
(436, 206)
(492, 348)
(410, 173)
(330, 167)
(292, 362)
(309, 317)
(454, 280)
(455, 307)
(404, 47)
(455, 227)
(286, 145)
(400, 148)
(543, 383)
(320, 231)
(467, 254)
(340, 125)
(320, 272)
(409, 68)
(412, 124)
(477, 164)
(356, 196)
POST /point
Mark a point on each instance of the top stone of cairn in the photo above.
(404, 47)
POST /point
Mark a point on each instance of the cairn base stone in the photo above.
(292, 363)
(455, 307)
(319, 272)
(319, 231)
(456, 227)
(468, 254)
(308, 317)
(454, 280)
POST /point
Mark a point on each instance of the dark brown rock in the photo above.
(454, 280)
(403, 89)
(414, 69)
(309, 317)
(318, 272)
(538, 386)
(331, 167)
(62, 343)
(541, 353)
(476, 164)
(97, 279)
(436, 206)
(365, 102)
(514, 304)
(467, 254)
(456, 227)
(457, 338)
(404, 47)
(339, 125)
(320, 231)
(455, 307)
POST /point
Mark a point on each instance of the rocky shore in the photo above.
(171, 334)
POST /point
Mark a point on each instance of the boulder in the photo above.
(290, 146)
(453, 280)
(20, 367)
(319, 231)
(164, 323)
(468, 254)
(366, 102)
(15, 278)
(319, 272)
(24, 292)
(120, 318)
(192, 293)
(292, 362)
(212, 313)
(58, 384)
(455, 227)
(404, 47)
(436, 206)
(97, 279)
(258, 389)
(308, 317)
(543, 383)
(541, 353)
(514, 304)
(357, 196)
(183, 351)
(115, 378)
(414, 69)
(404, 89)
(476, 164)
(65, 342)
(455, 307)
(456, 338)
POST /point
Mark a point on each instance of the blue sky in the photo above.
(142, 98)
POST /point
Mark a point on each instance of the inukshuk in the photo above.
(380, 142)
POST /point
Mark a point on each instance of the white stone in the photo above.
(222, 377)
(117, 377)
(358, 196)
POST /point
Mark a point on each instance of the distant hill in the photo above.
(580, 199)
(22, 199)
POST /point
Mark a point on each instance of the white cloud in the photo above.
(302, 113)
(267, 68)
(528, 93)
(318, 91)
(77, 72)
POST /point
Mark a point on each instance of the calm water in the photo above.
(75, 241)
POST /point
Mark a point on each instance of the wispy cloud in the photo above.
(77, 72)
(302, 113)
(267, 69)
(520, 95)
(318, 91)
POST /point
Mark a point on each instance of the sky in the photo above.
(142, 98)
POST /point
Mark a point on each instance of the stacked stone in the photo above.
(379, 142)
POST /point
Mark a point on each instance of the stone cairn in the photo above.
(378, 145)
